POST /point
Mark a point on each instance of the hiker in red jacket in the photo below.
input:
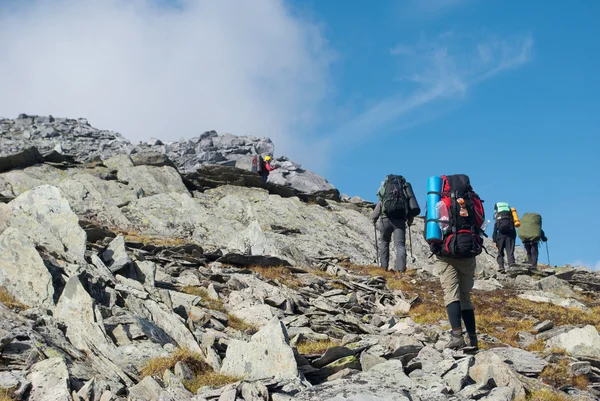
(267, 168)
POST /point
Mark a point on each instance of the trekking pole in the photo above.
(412, 256)
(547, 253)
(376, 245)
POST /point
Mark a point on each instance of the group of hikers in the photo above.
(454, 229)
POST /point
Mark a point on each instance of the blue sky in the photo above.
(503, 90)
(518, 109)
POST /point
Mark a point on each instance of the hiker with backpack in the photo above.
(455, 216)
(505, 234)
(530, 234)
(262, 166)
(397, 207)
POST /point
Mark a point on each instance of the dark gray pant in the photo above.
(387, 227)
(506, 244)
(532, 252)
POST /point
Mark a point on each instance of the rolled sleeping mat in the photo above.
(413, 205)
(515, 216)
(433, 233)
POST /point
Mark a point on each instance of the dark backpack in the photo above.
(463, 238)
(257, 164)
(505, 223)
(394, 202)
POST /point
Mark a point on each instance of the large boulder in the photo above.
(22, 270)
(46, 217)
(49, 381)
(267, 355)
(579, 342)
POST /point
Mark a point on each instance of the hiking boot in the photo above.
(473, 343)
(456, 342)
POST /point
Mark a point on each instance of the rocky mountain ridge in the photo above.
(125, 278)
(77, 140)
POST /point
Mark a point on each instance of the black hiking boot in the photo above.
(473, 344)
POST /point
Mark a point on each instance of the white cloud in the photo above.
(440, 71)
(595, 266)
(149, 69)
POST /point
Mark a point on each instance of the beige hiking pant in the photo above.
(457, 277)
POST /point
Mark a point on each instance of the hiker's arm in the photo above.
(375, 214)
(268, 167)
(543, 236)
(410, 220)
(495, 234)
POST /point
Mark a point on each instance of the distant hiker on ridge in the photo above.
(530, 234)
(262, 166)
(505, 233)
(397, 206)
(453, 229)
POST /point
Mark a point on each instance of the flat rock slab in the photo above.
(267, 355)
(384, 382)
(522, 361)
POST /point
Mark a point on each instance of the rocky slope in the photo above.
(125, 277)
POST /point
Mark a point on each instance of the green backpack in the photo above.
(531, 227)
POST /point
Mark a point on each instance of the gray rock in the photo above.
(488, 366)
(551, 298)
(153, 180)
(386, 381)
(368, 361)
(501, 393)
(115, 256)
(348, 362)
(254, 391)
(171, 323)
(147, 389)
(22, 270)
(24, 158)
(267, 355)
(458, 377)
(8, 381)
(542, 326)
(46, 217)
(524, 362)
(306, 333)
(557, 286)
(430, 360)
(49, 381)
(579, 342)
(579, 368)
(183, 371)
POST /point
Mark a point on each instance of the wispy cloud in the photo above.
(434, 71)
(168, 69)
(595, 266)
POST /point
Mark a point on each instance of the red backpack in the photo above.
(463, 238)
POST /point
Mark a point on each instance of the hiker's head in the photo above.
(267, 158)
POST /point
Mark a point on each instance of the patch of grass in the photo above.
(238, 324)
(203, 373)
(9, 301)
(216, 304)
(132, 236)
(538, 346)
(212, 379)
(281, 274)
(315, 347)
(207, 302)
(545, 395)
(157, 366)
(6, 394)
(557, 375)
